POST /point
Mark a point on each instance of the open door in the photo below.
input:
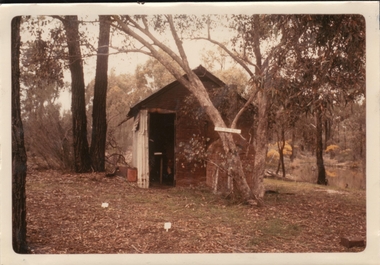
(141, 148)
(161, 149)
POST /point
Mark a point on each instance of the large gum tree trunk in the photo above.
(261, 147)
(82, 161)
(18, 150)
(233, 161)
(99, 121)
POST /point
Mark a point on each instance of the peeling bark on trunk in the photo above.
(19, 158)
(319, 150)
(82, 161)
(99, 121)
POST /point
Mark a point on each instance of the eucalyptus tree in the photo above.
(328, 66)
(146, 31)
(99, 119)
(310, 62)
(72, 54)
(257, 45)
(41, 78)
(82, 161)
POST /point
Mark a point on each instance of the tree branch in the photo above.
(246, 105)
(236, 58)
(158, 43)
(154, 53)
(129, 50)
(178, 43)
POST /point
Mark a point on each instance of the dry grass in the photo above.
(65, 216)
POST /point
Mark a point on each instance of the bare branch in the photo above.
(246, 105)
(119, 50)
(145, 23)
(236, 58)
(154, 53)
(158, 43)
(178, 43)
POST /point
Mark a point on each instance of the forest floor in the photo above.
(65, 215)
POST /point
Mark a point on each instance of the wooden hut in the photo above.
(172, 134)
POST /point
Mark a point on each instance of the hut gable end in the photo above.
(171, 96)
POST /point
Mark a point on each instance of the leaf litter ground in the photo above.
(65, 215)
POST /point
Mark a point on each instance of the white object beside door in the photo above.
(141, 149)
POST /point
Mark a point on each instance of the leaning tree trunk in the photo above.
(18, 150)
(261, 147)
(319, 149)
(99, 121)
(82, 161)
(233, 162)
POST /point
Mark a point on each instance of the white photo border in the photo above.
(370, 10)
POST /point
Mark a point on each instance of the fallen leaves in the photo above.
(67, 213)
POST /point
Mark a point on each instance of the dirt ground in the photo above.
(67, 213)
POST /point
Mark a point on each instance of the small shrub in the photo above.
(330, 173)
(273, 154)
(332, 147)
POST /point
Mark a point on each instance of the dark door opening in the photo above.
(161, 149)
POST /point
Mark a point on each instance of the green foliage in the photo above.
(41, 74)
(236, 77)
(152, 75)
(214, 60)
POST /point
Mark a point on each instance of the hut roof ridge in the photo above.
(200, 71)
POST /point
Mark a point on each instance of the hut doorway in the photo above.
(161, 149)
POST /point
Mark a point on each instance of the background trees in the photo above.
(331, 68)
(47, 135)
(282, 55)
